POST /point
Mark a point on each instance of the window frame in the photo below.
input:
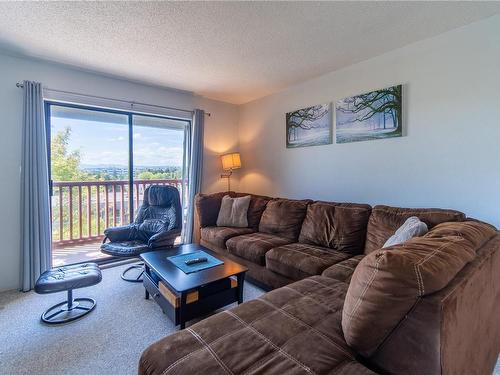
(48, 103)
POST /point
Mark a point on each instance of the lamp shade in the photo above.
(231, 161)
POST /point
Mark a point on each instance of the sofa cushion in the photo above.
(208, 207)
(284, 217)
(342, 271)
(298, 261)
(257, 206)
(385, 220)
(339, 226)
(269, 335)
(219, 235)
(254, 246)
(388, 283)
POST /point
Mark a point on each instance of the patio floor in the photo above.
(81, 253)
(77, 253)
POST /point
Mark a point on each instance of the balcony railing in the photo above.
(81, 210)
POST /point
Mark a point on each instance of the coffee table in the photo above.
(182, 296)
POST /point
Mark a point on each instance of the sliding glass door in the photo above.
(101, 161)
(158, 153)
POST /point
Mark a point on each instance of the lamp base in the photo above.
(228, 176)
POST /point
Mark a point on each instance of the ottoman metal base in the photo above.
(137, 276)
(68, 311)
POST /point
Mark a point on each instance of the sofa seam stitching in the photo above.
(211, 351)
(276, 347)
(183, 358)
(300, 252)
(359, 301)
(427, 258)
(300, 321)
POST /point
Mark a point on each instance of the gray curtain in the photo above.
(35, 207)
(195, 144)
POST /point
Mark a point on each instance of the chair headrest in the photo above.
(160, 195)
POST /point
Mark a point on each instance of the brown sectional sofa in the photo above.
(342, 304)
(287, 240)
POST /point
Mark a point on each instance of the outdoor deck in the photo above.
(76, 253)
(87, 252)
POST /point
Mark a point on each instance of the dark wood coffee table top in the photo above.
(180, 281)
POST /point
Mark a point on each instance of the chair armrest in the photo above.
(163, 239)
(123, 233)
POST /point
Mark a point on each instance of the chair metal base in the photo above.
(136, 276)
(68, 311)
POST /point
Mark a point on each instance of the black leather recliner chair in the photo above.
(157, 225)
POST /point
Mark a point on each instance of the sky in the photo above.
(103, 143)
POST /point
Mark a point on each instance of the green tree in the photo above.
(161, 174)
(146, 175)
(65, 163)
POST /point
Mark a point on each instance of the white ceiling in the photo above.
(230, 51)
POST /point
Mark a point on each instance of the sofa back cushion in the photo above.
(339, 226)
(284, 217)
(388, 283)
(385, 220)
(257, 206)
(208, 207)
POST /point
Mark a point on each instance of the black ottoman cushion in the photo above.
(125, 248)
(68, 277)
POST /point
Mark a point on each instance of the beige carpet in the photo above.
(107, 341)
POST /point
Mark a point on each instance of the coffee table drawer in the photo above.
(173, 298)
(154, 292)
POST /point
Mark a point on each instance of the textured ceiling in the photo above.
(231, 51)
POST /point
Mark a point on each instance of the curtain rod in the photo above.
(20, 85)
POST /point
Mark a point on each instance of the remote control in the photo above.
(190, 262)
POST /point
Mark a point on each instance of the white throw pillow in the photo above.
(233, 212)
(412, 227)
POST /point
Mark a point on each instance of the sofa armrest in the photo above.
(453, 331)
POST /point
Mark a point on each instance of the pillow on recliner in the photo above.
(233, 212)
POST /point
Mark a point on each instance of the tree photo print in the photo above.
(374, 115)
(311, 126)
